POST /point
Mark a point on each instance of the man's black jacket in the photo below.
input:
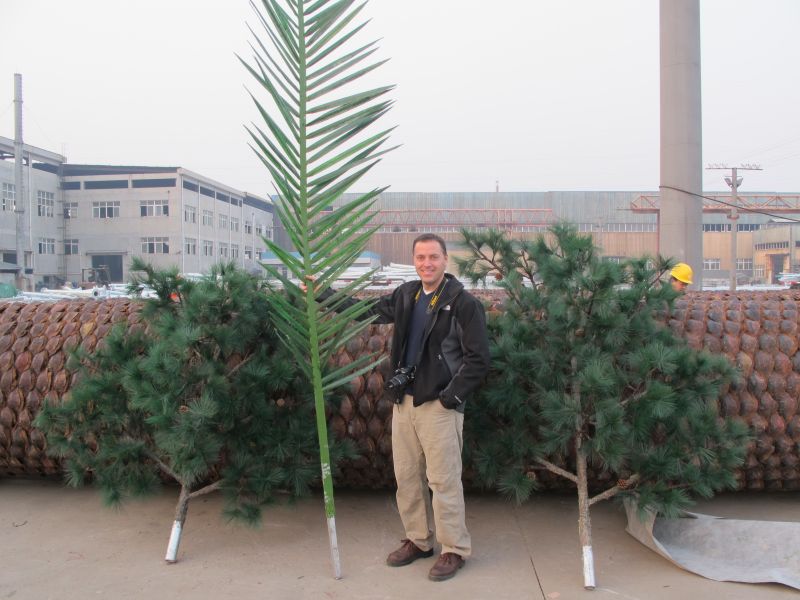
(455, 346)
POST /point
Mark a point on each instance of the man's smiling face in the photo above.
(430, 261)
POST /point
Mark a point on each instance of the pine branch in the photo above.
(611, 492)
(557, 470)
(638, 396)
(161, 465)
(206, 490)
(233, 371)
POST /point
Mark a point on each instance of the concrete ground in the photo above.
(62, 544)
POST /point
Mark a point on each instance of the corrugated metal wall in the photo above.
(597, 212)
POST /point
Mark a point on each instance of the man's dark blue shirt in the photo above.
(416, 329)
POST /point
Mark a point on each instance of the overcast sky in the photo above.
(538, 95)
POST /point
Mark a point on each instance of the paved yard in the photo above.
(62, 544)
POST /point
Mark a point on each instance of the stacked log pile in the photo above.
(34, 339)
(758, 331)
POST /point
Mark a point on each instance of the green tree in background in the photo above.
(206, 396)
(315, 143)
(584, 376)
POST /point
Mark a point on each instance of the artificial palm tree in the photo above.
(316, 143)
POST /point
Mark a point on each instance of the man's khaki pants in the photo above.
(426, 447)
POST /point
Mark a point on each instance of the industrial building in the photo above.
(624, 224)
(83, 216)
(92, 216)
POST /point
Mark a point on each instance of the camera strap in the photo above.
(435, 299)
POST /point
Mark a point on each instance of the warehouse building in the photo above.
(624, 224)
(90, 216)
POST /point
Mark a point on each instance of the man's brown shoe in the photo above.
(446, 566)
(407, 553)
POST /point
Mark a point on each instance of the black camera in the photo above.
(401, 378)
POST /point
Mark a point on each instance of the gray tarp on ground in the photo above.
(723, 549)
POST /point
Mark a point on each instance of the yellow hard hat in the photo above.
(682, 272)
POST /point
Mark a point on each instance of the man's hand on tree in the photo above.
(303, 287)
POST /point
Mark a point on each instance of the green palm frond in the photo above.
(316, 143)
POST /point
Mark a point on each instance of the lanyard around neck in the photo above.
(436, 296)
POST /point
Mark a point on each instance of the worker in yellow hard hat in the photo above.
(680, 277)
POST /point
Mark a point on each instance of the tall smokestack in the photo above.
(681, 220)
(19, 182)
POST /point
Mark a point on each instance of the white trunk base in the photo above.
(337, 566)
(588, 568)
(174, 541)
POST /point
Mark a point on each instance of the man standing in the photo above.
(440, 355)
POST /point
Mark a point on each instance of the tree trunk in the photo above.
(584, 519)
(177, 526)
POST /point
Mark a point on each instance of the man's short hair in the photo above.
(429, 237)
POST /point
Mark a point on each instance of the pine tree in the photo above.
(206, 397)
(316, 143)
(585, 376)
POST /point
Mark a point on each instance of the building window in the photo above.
(152, 183)
(105, 209)
(208, 248)
(772, 245)
(711, 264)
(111, 184)
(234, 251)
(744, 264)
(259, 252)
(47, 245)
(248, 227)
(234, 224)
(259, 229)
(716, 227)
(155, 245)
(45, 202)
(248, 252)
(154, 208)
(8, 193)
(758, 272)
(71, 247)
(208, 218)
(190, 214)
(223, 250)
(223, 221)
(748, 227)
(70, 210)
(190, 246)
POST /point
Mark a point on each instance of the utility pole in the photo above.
(734, 181)
(20, 196)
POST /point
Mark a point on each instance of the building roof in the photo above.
(35, 153)
(70, 170)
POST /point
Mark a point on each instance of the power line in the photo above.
(744, 208)
(5, 109)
